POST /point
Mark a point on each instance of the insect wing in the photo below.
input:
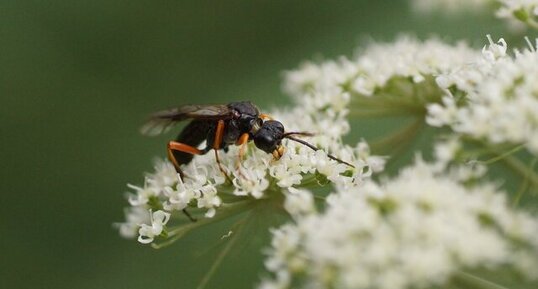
(162, 121)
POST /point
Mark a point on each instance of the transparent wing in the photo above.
(162, 121)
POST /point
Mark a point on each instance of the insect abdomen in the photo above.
(193, 135)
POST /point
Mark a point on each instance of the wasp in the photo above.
(220, 126)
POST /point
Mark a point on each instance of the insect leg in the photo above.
(216, 146)
(188, 215)
(242, 141)
(177, 146)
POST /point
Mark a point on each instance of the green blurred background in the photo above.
(77, 78)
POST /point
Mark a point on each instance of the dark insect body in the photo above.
(220, 126)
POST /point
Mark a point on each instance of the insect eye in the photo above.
(269, 136)
(265, 142)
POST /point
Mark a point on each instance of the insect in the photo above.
(220, 126)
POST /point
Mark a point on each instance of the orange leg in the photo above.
(177, 146)
(242, 141)
(216, 146)
(218, 135)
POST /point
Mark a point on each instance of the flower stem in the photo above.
(503, 155)
(237, 227)
(522, 169)
(473, 281)
(524, 185)
(395, 140)
(226, 211)
(532, 23)
(379, 112)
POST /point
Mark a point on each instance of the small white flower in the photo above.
(288, 171)
(374, 163)
(134, 216)
(180, 196)
(445, 151)
(148, 232)
(164, 175)
(495, 50)
(326, 166)
(442, 114)
(299, 202)
(250, 182)
(142, 194)
(209, 200)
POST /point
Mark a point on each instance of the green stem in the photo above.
(524, 185)
(522, 169)
(401, 137)
(503, 155)
(308, 180)
(225, 211)
(237, 227)
(473, 281)
(512, 162)
(380, 112)
(532, 23)
(378, 102)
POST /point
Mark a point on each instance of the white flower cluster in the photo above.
(165, 192)
(204, 186)
(374, 67)
(495, 99)
(414, 231)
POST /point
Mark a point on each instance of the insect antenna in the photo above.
(301, 133)
(313, 147)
